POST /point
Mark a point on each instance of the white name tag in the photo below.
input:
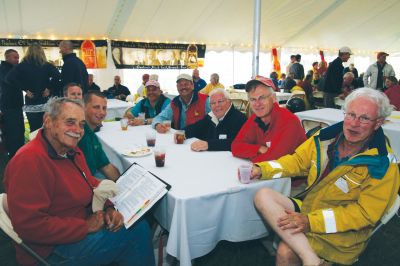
(341, 183)
(222, 136)
(268, 144)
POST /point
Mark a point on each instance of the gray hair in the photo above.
(348, 74)
(220, 90)
(375, 96)
(55, 105)
(215, 75)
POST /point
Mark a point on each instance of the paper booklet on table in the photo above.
(138, 191)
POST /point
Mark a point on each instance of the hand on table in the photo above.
(255, 172)
(113, 220)
(136, 122)
(294, 220)
(161, 128)
(95, 221)
(199, 145)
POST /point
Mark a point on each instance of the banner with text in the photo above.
(92, 52)
(143, 55)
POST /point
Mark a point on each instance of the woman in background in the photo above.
(39, 79)
(393, 91)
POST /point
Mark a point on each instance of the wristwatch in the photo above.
(145, 121)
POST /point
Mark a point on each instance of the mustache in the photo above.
(73, 134)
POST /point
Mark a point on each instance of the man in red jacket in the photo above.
(271, 131)
(50, 192)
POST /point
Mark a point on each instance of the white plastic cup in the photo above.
(245, 173)
(124, 124)
(282, 90)
(142, 115)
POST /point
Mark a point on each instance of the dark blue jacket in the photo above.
(74, 70)
(219, 137)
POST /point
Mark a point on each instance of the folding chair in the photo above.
(388, 215)
(6, 226)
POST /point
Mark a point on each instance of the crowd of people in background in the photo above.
(271, 137)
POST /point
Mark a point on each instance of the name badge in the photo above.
(341, 183)
(268, 144)
(222, 136)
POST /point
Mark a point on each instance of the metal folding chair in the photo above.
(6, 226)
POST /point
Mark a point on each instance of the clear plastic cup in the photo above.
(245, 173)
(151, 138)
(124, 123)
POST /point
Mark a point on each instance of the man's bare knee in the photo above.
(262, 196)
(286, 256)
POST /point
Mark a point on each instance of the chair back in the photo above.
(388, 215)
(5, 222)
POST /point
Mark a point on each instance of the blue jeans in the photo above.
(127, 247)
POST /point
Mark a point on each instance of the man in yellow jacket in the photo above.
(352, 181)
(214, 84)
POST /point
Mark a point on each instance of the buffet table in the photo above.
(206, 203)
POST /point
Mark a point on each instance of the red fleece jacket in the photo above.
(48, 197)
(284, 135)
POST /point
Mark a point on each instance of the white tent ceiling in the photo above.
(363, 25)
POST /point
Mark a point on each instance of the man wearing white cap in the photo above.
(151, 106)
(378, 72)
(334, 77)
(185, 109)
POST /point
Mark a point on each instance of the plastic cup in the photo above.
(151, 138)
(159, 156)
(282, 90)
(179, 137)
(142, 115)
(167, 124)
(124, 123)
(245, 173)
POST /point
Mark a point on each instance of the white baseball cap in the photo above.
(345, 50)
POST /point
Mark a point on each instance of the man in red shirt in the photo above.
(50, 192)
(271, 131)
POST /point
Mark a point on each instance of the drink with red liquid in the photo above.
(159, 156)
(179, 137)
(151, 138)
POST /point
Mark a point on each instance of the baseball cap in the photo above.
(260, 80)
(184, 76)
(153, 83)
(380, 54)
(345, 49)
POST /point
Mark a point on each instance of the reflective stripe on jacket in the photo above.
(343, 207)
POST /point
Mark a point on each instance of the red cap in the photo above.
(260, 79)
(380, 54)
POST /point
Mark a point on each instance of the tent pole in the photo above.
(256, 37)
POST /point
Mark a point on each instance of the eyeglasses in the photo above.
(262, 98)
(219, 102)
(362, 118)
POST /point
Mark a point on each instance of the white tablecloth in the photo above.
(116, 108)
(332, 116)
(206, 203)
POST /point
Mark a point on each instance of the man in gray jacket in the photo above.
(378, 72)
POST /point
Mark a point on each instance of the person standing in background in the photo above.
(377, 73)
(39, 79)
(11, 101)
(334, 77)
(73, 69)
(198, 82)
